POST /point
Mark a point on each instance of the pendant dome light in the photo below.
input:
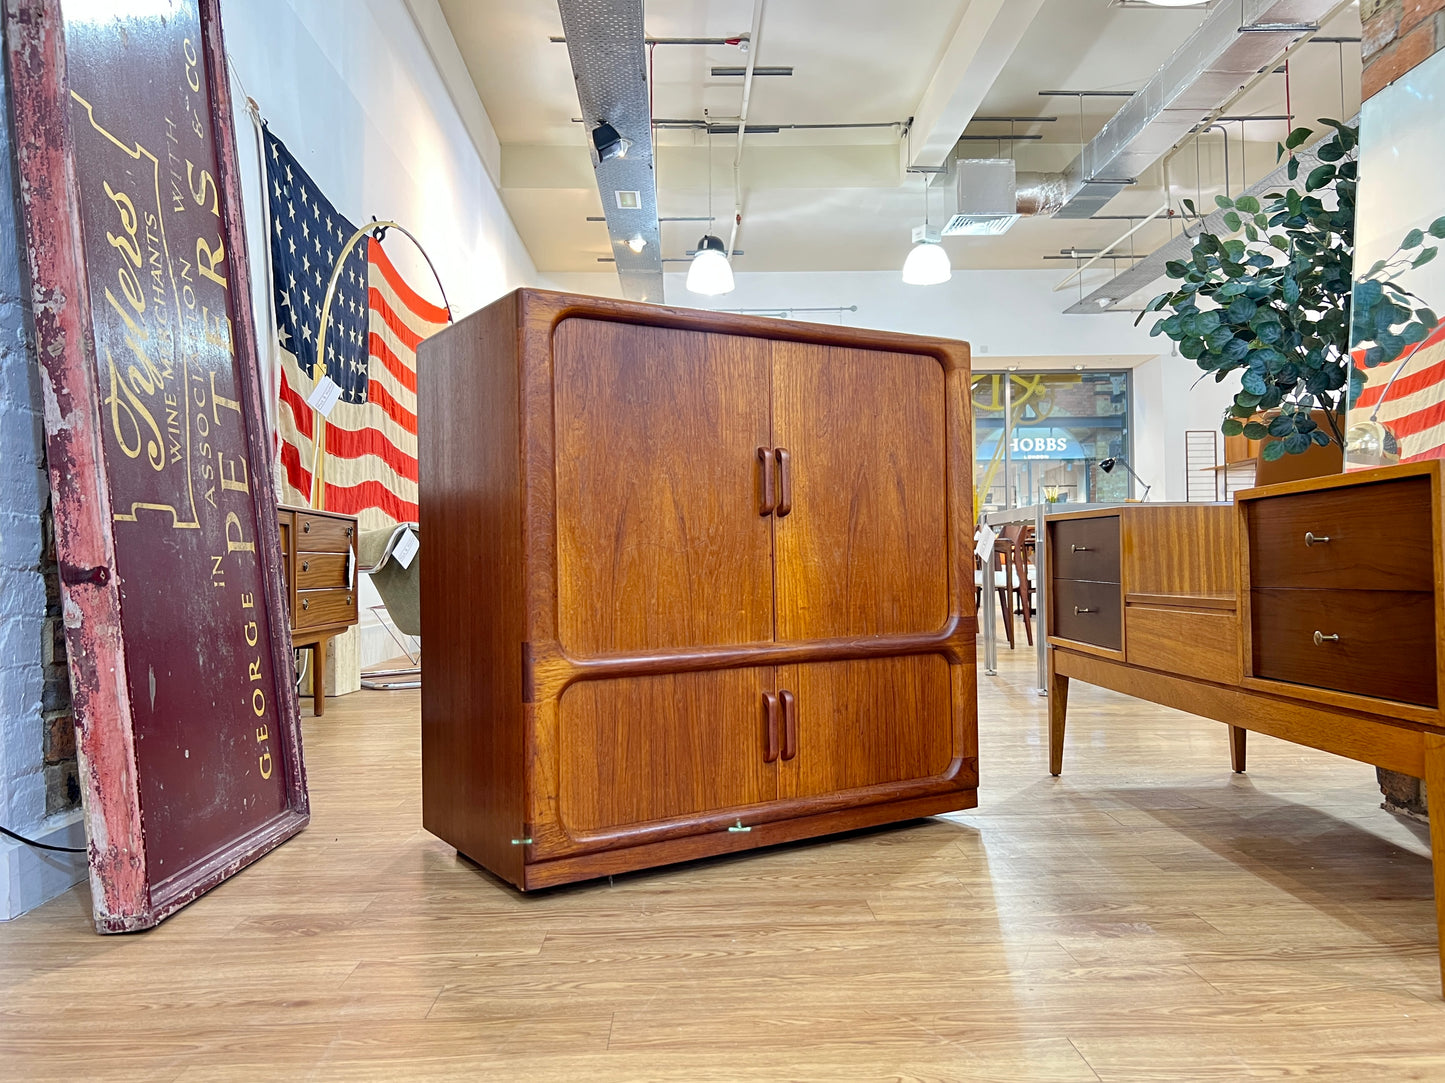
(710, 273)
(927, 263)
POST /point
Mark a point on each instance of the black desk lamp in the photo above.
(1107, 466)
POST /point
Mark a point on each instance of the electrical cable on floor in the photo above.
(41, 845)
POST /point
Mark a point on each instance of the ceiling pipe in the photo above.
(753, 39)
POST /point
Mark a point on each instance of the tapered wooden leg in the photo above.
(318, 678)
(1058, 704)
(1236, 748)
(1435, 787)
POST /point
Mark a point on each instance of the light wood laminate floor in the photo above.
(1147, 916)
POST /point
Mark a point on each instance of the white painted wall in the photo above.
(1010, 318)
(356, 90)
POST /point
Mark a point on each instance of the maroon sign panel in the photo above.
(165, 523)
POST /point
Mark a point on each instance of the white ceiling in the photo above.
(839, 199)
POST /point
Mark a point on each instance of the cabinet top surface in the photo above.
(553, 307)
(316, 513)
(1426, 468)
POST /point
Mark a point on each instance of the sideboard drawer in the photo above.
(1386, 645)
(1358, 537)
(1086, 549)
(1088, 612)
(323, 533)
(317, 608)
(319, 570)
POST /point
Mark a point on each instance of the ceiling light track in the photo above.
(740, 42)
(740, 72)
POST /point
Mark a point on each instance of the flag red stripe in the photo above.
(1418, 420)
(353, 444)
(351, 499)
(405, 375)
(300, 412)
(1407, 384)
(297, 475)
(381, 307)
(383, 398)
(404, 293)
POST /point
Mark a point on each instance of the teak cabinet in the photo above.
(691, 583)
(318, 558)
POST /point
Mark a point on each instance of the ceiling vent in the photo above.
(985, 194)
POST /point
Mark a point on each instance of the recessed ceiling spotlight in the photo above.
(636, 243)
(609, 142)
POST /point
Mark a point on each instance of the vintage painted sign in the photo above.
(165, 524)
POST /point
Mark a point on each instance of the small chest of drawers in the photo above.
(1341, 588)
(1086, 599)
(319, 558)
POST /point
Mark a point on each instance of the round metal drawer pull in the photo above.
(306, 527)
(1320, 638)
(306, 604)
(1080, 612)
(1081, 549)
(1316, 539)
(306, 565)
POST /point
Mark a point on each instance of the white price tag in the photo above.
(984, 546)
(406, 549)
(325, 396)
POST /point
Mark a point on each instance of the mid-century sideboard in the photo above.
(1313, 611)
(691, 583)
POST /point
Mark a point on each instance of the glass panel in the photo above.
(1062, 425)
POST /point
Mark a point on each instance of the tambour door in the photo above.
(661, 542)
(655, 750)
(861, 527)
(871, 722)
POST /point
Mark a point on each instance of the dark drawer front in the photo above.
(1088, 613)
(1086, 549)
(322, 534)
(1386, 647)
(318, 570)
(1379, 535)
(316, 608)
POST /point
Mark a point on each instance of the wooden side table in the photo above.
(318, 551)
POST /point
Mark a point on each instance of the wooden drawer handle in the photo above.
(770, 714)
(1316, 539)
(785, 482)
(1081, 549)
(1321, 639)
(765, 456)
(1080, 612)
(305, 603)
(790, 724)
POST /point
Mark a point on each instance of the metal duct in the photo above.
(1237, 41)
(609, 64)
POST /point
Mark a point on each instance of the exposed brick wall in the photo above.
(1396, 35)
(62, 781)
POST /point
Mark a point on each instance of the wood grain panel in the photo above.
(868, 723)
(1087, 612)
(1181, 549)
(1380, 538)
(1191, 642)
(659, 540)
(317, 608)
(472, 607)
(649, 749)
(1085, 548)
(864, 550)
(316, 533)
(1386, 646)
(317, 570)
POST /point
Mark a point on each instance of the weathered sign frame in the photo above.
(132, 825)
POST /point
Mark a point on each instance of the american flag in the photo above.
(1414, 408)
(375, 324)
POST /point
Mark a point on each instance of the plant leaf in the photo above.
(1298, 136)
(1273, 451)
(1247, 204)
